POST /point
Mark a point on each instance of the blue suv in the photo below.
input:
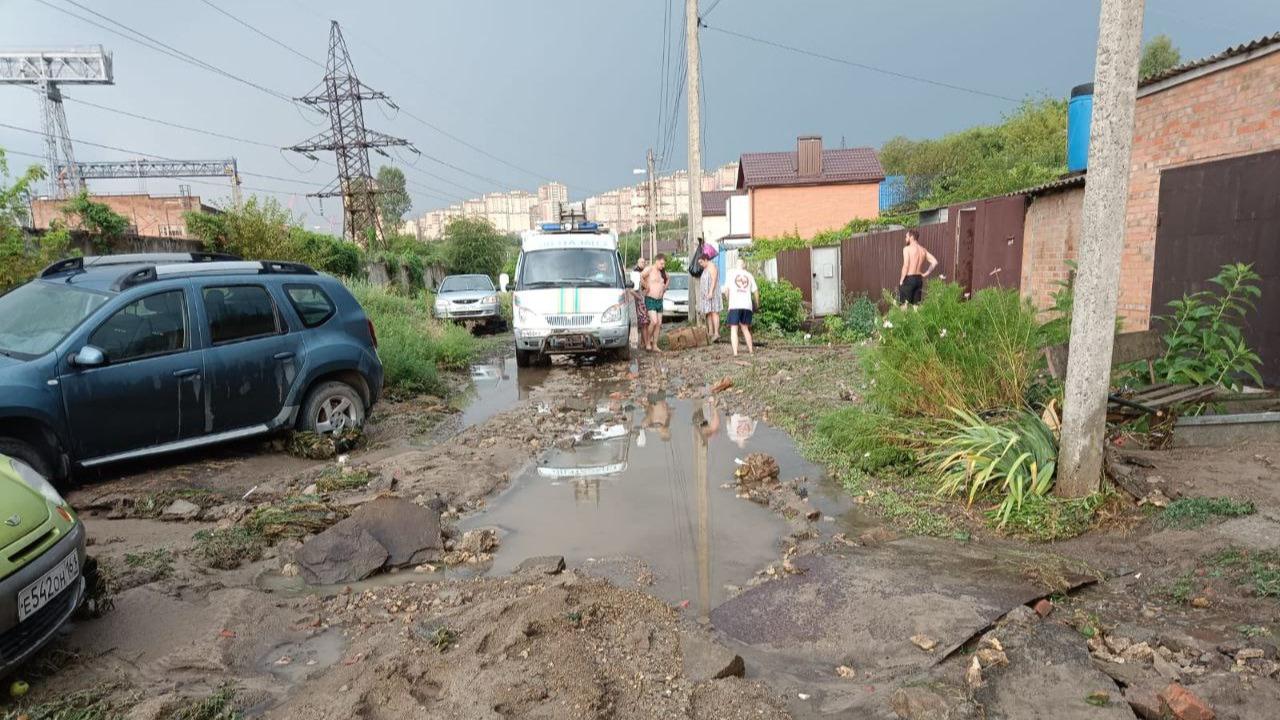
(117, 357)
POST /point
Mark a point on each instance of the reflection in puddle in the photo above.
(295, 662)
(645, 486)
(496, 386)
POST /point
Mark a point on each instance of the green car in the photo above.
(41, 562)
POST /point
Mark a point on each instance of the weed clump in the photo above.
(1194, 512)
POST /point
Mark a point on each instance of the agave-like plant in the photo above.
(1012, 459)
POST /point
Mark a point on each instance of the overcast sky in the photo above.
(564, 89)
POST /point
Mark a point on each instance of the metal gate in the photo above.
(826, 281)
(1217, 213)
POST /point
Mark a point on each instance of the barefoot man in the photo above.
(653, 283)
(914, 258)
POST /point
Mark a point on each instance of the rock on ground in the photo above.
(409, 532)
(344, 553)
(181, 510)
(542, 565)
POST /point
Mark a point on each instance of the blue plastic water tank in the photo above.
(1079, 115)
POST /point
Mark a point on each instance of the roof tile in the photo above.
(849, 165)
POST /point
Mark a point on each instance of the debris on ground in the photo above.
(316, 446)
(924, 642)
(180, 510)
(475, 546)
(344, 553)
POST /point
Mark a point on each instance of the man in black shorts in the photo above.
(914, 259)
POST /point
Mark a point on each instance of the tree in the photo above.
(22, 257)
(393, 199)
(1028, 148)
(474, 245)
(1158, 55)
(264, 230)
(97, 219)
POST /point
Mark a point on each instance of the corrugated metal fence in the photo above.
(871, 262)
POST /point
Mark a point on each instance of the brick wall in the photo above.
(147, 215)
(810, 209)
(1234, 111)
(1231, 112)
(1051, 236)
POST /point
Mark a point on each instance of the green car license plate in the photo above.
(39, 593)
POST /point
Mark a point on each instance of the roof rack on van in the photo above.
(80, 264)
(228, 267)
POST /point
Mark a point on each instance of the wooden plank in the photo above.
(1128, 347)
(1189, 395)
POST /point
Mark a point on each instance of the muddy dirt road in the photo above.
(631, 542)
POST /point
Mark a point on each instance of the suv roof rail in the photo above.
(80, 264)
(210, 267)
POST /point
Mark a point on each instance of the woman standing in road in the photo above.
(709, 302)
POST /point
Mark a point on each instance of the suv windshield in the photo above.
(572, 267)
(466, 283)
(37, 316)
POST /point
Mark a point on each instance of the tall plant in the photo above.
(1204, 339)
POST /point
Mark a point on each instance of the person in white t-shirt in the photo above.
(744, 295)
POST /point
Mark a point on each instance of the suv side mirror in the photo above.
(504, 280)
(89, 356)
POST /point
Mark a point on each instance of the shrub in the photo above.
(781, 306)
(1012, 460)
(861, 317)
(1204, 341)
(973, 355)
(411, 343)
(473, 245)
(869, 438)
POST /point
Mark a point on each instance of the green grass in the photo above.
(218, 706)
(1259, 570)
(157, 563)
(1182, 588)
(94, 703)
(412, 345)
(1194, 512)
(1049, 518)
(335, 479)
(292, 517)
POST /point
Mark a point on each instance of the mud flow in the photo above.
(644, 496)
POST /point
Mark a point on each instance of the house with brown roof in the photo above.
(810, 189)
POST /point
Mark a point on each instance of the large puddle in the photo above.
(641, 499)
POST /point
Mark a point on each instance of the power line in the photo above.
(404, 68)
(663, 72)
(166, 123)
(862, 66)
(161, 47)
(254, 29)
(710, 9)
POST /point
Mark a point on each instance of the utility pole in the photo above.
(693, 96)
(653, 210)
(1093, 317)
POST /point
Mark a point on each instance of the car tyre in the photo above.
(332, 407)
(27, 453)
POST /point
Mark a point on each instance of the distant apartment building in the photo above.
(623, 209)
(148, 215)
(626, 208)
(509, 212)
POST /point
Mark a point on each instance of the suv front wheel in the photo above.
(332, 407)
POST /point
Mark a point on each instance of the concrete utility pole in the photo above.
(653, 210)
(693, 96)
(1093, 319)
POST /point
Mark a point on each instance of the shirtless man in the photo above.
(653, 283)
(914, 257)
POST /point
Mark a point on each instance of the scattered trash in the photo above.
(284, 660)
(18, 688)
(803, 696)
(846, 672)
(606, 432)
(249, 492)
(724, 384)
(973, 676)
(228, 634)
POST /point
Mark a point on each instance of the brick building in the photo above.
(810, 189)
(1219, 108)
(148, 215)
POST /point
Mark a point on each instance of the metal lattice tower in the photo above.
(342, 95)
(46, 70)
(144, 168)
